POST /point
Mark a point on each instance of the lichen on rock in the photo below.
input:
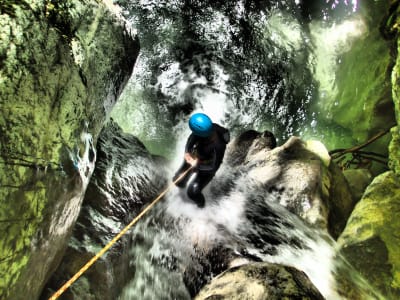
(369, 241)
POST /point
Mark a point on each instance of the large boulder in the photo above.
(370, 241)
(300, 174)
(258, 281)
(62, 67)
(126, 177)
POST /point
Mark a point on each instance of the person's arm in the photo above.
(190, 143)
(189, 158)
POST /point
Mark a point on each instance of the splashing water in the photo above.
(171, 244)
(275, 93)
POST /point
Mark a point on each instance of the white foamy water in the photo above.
(224, 221)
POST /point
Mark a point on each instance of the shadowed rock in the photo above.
(125, 179)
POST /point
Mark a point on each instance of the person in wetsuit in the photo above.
(205, 149)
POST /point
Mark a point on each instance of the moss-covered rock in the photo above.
(394, 151)
(359, 100)
(62, 67)
(358, 180)
(390, 28)
(370, 241)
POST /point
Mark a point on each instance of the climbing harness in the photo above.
(115, 239)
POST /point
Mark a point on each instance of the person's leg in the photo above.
(196, 186)
(184, 180)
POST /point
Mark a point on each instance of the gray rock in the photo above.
(303, 181)
(126, 178)
(358, 180)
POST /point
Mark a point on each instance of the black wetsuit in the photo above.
(210, 153)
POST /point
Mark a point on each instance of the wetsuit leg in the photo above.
(196, 186)
(184, 180)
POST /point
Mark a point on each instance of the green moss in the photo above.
(45, 99)
(359, 104)
(376, 217)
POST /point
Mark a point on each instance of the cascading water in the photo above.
(178, 247)
(249, 65)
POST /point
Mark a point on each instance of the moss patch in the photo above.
(372, 228)
(62, 66)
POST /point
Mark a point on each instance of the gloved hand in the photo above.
(190, 159)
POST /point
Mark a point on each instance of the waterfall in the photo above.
(179, 246)
(262, 68)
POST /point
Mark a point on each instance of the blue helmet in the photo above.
(201, 125)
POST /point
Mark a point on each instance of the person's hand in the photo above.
(190, 159)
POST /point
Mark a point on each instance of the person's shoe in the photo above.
(200, 204)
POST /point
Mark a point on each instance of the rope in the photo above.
(114, 240)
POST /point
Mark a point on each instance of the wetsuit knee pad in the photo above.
(194, 191)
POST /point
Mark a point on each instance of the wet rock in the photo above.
(303, 180)
(63, 65)
(370, 241)
(126, 178)
(358, 180)
(260, 281)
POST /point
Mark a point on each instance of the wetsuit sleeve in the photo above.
(190, 143)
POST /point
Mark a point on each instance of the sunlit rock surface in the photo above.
(362, 102)
(126, 178)
(304, 181)
(259, 281)
(370, 241)
(62, 66)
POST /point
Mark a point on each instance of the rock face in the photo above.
(370, 241)
(62, 67)
(362, 103)
(258, 281)
(126, 178)
(358, 180)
